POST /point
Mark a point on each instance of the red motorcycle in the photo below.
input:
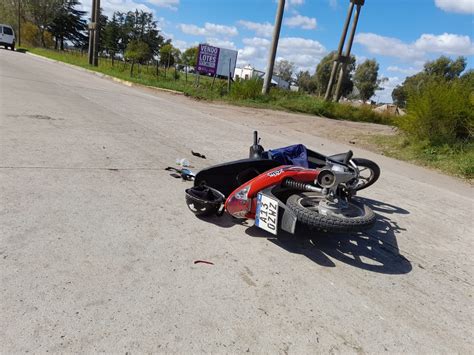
(288, 186)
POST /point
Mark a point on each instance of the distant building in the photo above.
(390, 109)
(249, 72)
(279, 82)
(294, 88)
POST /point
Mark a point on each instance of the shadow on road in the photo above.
(375, 250)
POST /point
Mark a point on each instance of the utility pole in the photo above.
(19, 23)
(271, 56)
(340, 61)
(91, 35)
(96, 33)
(94, 29)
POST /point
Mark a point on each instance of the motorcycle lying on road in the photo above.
(288, 186)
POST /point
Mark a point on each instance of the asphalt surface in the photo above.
(97, 246)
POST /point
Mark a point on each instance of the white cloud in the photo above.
(406, 71)
(110, 6)
(170, 4)
(304, 22)
(291, 3)
(427, 43)
(388, 46)
(385, 95)
(360, 59)
(256, 42)
(333, 4)
(209, 29)
(261, 29)
(304, 53)
(255, 52)
(221, 43)
(446, 43)
(458, 6)
(181, 45)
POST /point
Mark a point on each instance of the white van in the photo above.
(7, 36)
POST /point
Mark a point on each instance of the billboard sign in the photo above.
(216, 61)
(208, 57)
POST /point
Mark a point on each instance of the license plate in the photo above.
(266, 216)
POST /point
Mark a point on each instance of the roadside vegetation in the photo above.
(243, 92)
(439, 126)
(437, 130)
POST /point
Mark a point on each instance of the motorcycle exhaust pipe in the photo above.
(326, 178)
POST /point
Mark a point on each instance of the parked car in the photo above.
(7, 37)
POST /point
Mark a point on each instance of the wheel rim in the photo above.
(366, 175)
(312, 204)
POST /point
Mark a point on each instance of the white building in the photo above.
(249, 72)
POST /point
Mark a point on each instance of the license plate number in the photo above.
(267, 213)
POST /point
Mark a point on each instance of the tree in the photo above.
(366, 79)
(445, 67)
(112, 37)
(468, 79)
(9, 13)
(440, 69)
(140, 26)
(68, 24)
(306, 82)
(189, 56)
(323, 73)
(137, 52)
(284, 69)
(42, 13)
(169, 55)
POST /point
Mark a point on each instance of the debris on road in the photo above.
(184, 174)
(199, 155)
(183, 162)
(203, 262)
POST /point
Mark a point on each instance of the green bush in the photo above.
(442, 112)
(246, 89)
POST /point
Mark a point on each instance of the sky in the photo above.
(401, 35)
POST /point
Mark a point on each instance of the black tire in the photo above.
(304, 205)
(365, 166)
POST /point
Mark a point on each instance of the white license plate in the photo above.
(266, 216)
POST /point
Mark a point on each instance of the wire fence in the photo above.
(154, 69)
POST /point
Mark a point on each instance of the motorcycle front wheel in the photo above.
(369, 173)
(354, 217)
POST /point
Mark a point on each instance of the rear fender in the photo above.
(244, 204)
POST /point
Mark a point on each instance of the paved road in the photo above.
(97, 245)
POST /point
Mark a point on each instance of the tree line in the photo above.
(359, 81)
(439, 70)
(132, 35)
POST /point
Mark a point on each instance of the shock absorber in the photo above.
(297, 185)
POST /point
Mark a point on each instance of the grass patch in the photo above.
(457, 160)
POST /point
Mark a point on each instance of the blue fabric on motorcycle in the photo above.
(291, 155)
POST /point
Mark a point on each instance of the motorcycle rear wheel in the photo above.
(356, 217)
